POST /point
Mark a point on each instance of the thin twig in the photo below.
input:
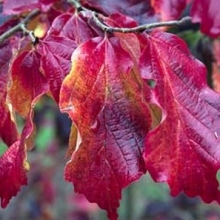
(76, 5)
(140, 28)
(30, 33)
(20, 26)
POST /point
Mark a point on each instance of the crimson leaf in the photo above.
(55, 61)
(103, 95)
(28, 84)
(27, 81)
(184, 149)
(74, 27)
(8, 131)
(13, 168)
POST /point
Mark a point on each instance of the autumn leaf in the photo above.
(107, 101)
(28, 85)
(13, 168)
(128, 41)
(55, 61)
(184, 150)
(206, 12)
(58, 24)
(8, 131)
(74, 27)
(27, 82)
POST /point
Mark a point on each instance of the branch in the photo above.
(21, 27)
(76, 5)
(140, 28)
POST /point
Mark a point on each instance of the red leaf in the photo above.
(129, 41)
(169, 9)
(184, 149)
(27, 82)
(104, 96)
(13, 168)
(58, 24)
(140, 10)
(74, 27)
(17, 7)
(207, 13)
(5, 57)
(8, 131)
(56, 53)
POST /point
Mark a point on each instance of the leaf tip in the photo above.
(4, 203)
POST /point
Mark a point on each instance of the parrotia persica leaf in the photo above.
(13, 168)
(74, 27)
(27, 82)
(106, 100)
(207, 13)
(28, 85)
(184, 150)
(8, 131)
(55, 61)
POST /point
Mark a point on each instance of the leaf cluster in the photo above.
(138, 100)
